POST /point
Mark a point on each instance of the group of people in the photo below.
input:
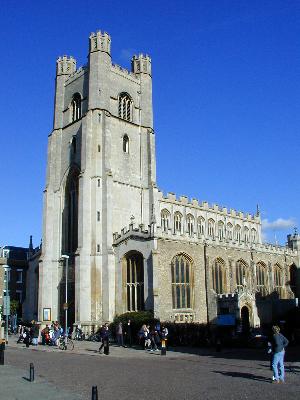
(151, 337)
(29, 335)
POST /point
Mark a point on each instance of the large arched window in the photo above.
(242, 274)
(177, 222)
(134, 272)
(125, 106)
(182, 282)
(200, 226)
(190, 224)
(70, 214)
(76, 107)
(229, 231)
(278, 280)
(211, 228)
(221, 233)
(261, 278)
(219, 276)
(125, 144)
(165, 220)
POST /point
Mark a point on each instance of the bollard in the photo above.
(163, 351)
(31, 373)
(2, 348)
(94, 393)
(106, 347)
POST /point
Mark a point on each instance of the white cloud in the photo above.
(279, 224)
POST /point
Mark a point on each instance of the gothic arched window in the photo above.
(219, 276)
(237, 233)
(177, 222)
(293, 277)
(229, 231)
(182, 282)
(190, 224)
(261, 278)
(221, 230)
(253, 235)
(76, 107)
(165, 220)
(125, 106)
(134, 272)
(278, 280)
(201, 226)
(126, 144)
(70, 214)
(242, 274)
(246, 235)
(211, 228)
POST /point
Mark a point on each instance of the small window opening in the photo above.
(98, 215)
(126, 144)
(76, 107)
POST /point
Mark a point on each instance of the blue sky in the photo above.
(226, 84)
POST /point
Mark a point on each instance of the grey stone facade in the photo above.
(102, 208)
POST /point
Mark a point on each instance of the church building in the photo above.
(126, 244)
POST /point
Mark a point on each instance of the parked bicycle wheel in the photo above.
(70, 345)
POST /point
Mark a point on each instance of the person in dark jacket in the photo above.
(279, 343)
(104, 334)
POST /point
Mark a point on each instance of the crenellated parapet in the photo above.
(65, 65)
(100, 42)
(132, 232)
(141, 64)
(76, 74)
(123, 71)
(204, 205)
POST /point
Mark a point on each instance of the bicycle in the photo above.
(65, 343)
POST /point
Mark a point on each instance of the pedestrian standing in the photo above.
(104, 334)
(279, 343)
(119, 334)
(128, 333)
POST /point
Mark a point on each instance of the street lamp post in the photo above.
(7, 300)
(65, 257)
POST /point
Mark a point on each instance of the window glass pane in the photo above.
(177, 270)
(188, 297)
(187, 272)
(128, 298)
(183, 297)
(173, 274)
(178, 296)
(182, 270)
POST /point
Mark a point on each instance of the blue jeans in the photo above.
(278, 366)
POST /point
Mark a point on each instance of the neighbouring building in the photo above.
(131, 247)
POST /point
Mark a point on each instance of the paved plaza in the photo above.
(185, 373)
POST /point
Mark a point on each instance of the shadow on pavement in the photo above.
(244, 375)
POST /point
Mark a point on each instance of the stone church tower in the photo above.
(100, 176)
(129, 246)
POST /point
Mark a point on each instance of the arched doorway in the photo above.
(133, 276)
(245, 315)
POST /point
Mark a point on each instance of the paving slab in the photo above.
(15, 385)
